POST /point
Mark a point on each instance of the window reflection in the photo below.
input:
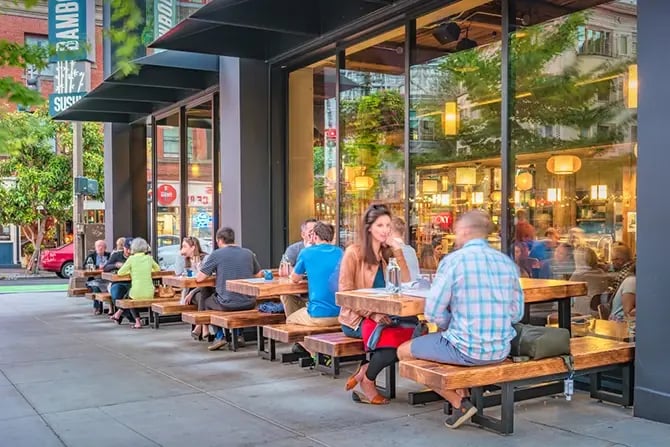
(167, 180)
(199, 173)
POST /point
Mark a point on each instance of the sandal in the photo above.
(362, 399)
(352, 381)
(136, 327)
(118, 320)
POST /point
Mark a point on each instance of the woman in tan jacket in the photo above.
(363, 267)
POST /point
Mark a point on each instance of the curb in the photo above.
(17, 276)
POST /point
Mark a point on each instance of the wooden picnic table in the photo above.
(185, 282)
(411, 303)
(83, 273)
(113, 277)
(261, 288)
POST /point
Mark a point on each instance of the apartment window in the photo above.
(41, 41)
(623, 45)
(171, 142)
(594, 42)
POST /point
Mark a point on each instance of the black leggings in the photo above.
(380, 359)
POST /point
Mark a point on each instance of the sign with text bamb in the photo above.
(72, 30)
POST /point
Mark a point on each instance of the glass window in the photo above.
(150, 185)
(576, 187)
(42, 41)
(200, 174)
(312, 188)
(168, 179)
(372, 125)
(454, 125)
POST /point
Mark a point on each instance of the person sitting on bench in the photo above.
(321, 262)
(474, 300)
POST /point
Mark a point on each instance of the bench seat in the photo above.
(139, 304)
(198, 317)
(90, 296)
(591, 356)
(169, 308)
(103, 297)
(286, 333)
(243, 319)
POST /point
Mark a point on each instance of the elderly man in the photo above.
(97, 259)
(474, 300)
(306, 233)
(398, 228)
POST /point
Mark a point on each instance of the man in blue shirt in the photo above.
(321, 263)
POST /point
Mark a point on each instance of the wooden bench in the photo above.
(169, 308)
(90, 296)
(198, 317)
(591, 355)
(243, 319)
(105, 297)
(286, 333)
(140, 305)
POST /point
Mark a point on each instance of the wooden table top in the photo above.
(261, 288)
(405, 305)
(612, 330)
(83, 273)
(113, 277)
(185, 282)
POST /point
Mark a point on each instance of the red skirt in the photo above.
(391, 337)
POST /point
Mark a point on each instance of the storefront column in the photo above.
(244, 161)
(125, 182)
(652, 363)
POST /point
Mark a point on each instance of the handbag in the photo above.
(377, 335)
(539, 342)
(165, 291)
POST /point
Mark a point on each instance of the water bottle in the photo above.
(393, 276)
(284, 266)
(89, 265)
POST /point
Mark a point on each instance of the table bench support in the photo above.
(627, 387)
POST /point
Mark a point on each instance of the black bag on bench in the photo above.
(539, 342)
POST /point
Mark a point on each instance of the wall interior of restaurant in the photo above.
(652, 388)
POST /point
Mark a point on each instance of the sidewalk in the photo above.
(68, 378)
(11, 274)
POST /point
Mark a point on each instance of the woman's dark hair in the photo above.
(199, 254)
(373, 213)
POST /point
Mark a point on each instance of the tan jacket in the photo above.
(355, 273)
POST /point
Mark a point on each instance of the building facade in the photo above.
(529, 110)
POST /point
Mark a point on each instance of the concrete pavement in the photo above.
(68, 378)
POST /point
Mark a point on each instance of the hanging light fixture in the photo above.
(564, 164)
(363, 183)
(477, 198)
(554, 194)
(598, 192)
(429, 186)
(631, 87)
(466, 176)
(450, 118)
(445, 183)
(524, 181)
(517, 197)
(496, 196)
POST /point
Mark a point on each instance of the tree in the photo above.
(37, 175)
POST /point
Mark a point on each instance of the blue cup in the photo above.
(189, 273)
(267, 274)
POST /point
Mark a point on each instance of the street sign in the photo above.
(72, 30)
(165, 16)
(71, 82)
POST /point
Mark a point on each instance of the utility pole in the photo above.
(78, 199)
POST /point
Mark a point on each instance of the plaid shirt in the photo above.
(475, 298)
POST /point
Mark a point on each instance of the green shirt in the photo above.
(140, 266)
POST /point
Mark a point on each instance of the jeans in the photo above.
(119, 291)
(351, 332)
(97, 305)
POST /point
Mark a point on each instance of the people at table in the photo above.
(229, 261)
(118, 290)
(398, 230)
(623, 303)
(588, 271)
(320, 261)
(97, 259)
(622, 263)
(139, 265)
(475, 298)
(363, 266)
(192, 258)
(306, 233)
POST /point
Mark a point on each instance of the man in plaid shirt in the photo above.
(475, 298)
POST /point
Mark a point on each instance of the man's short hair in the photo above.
(478, 221)
(324, 231)
(226, 235)
(307, 221)
(101, 241)
(398, 225)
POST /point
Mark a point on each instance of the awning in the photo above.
(163, 79)
(262, 29)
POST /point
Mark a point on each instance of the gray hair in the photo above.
(139, 245)
(478, 221)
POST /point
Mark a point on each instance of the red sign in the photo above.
(166, 194)
(331, 133)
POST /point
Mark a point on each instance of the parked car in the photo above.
(59, 260)
(167, 254)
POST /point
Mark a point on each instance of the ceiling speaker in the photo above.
(466, 44)
(447, 32)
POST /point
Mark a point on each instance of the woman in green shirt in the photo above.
(139, 266)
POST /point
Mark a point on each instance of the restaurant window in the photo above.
(200, 174)
(372, 123)
(577, 188)
(454, 147)
(312, 168)
(41, 41)
(168, 190)
(150, 185)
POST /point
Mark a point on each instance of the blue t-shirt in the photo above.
(322, 264)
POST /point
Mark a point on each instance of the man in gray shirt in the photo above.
(398, 233)
(306, 233)
(229, 261)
